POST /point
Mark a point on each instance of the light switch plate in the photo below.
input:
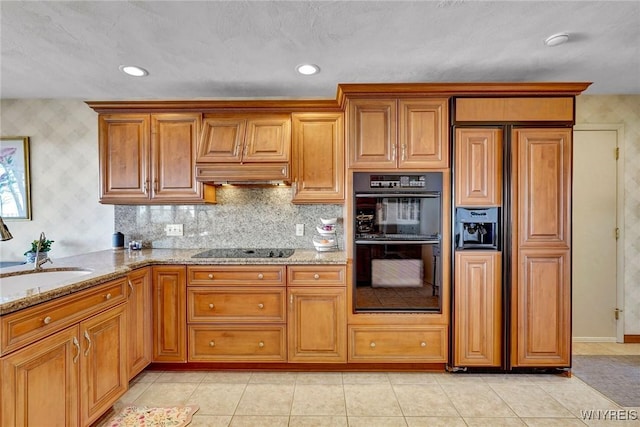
(299, 229)
(174, 229)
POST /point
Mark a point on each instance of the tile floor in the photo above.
(384, 398)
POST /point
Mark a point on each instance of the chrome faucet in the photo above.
(37, 264)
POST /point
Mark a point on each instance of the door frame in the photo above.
(619, 129)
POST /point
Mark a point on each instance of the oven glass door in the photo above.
(397, 252)
(397, 276)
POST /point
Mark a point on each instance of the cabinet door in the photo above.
(318, 157)
(477, 309)
(124, 157)
(103, 363)
(542, 168)
(222, 139)
(169, 314)
(372, 133)
(541, 309)
(139, 315)
(268, 139)
(423, 130)
(40, 383)
(478, 167)
(174, 140)
(317, 327)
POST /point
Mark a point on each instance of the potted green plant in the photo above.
(45, 247)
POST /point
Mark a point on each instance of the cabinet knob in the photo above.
(423, 344)
(47, 320)
(260, 276)
(210, 276)
(212, 343)
(211, 306)
(316, 276)
(261, 305)
(372, 345)
(261, 344)
(107, 296)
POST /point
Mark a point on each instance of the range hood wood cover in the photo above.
(244, 148)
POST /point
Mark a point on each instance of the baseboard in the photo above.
(632, 339)
(594, 339)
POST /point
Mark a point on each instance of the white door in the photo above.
(594, 245)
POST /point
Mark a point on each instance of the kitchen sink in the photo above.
(33, 281)
(245, 253)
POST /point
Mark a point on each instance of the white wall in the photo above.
(64, 177)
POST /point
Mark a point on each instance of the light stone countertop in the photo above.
(112, 264)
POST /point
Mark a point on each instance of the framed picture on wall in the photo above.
(15, 197)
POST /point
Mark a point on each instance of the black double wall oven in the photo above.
(397, 241)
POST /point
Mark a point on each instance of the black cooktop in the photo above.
(245, 253)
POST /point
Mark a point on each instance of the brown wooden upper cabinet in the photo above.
(318, 157)
(150, 158)
(478, 166)
(405, 133)
(244, 147)
(235, 138)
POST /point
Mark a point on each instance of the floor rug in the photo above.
(617, 377)
(152, 416)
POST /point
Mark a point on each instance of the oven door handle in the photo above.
(396, 242)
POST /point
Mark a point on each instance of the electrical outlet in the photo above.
(299, 229)
(174, 230)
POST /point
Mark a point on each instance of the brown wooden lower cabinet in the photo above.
(103, 363)
(317, 324)
(237, 343)
(477, 309)
(398, 344)
(69, 378)
(169, 314)
(541, 309)
(40, 382)
(140, 318)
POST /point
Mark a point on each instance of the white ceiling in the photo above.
(248, 49)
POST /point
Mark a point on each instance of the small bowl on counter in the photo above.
(326, 229)
(329, 221)
(324, 244)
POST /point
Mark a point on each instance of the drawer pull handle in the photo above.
(47, 320)
(212, 343)
(423, 344)
(316, 276)
(76, 344)
(211, 306)
(372, 345)
(260, 276)
(107, 296)
(261, 305)
(261, 344)
(88, 338)
(210, 276)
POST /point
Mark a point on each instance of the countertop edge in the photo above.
(113, 264)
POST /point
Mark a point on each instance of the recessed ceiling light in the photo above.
(557, 39)
(133, 70)
(308, 69)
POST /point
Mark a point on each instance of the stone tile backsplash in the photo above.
(258, 217)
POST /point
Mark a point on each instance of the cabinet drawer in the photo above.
(240, 305)
(237, 343)
(398, 344)
(26, 326)
(254, 275)
(311, 275)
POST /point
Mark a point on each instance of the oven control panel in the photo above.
(397, 181)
